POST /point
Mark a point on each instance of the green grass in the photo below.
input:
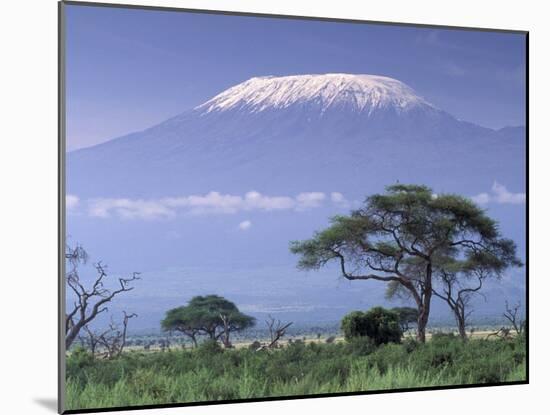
(210, 373)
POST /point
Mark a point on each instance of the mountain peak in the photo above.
(362, 93)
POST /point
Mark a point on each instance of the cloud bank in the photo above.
(499, 194)
(210, 203)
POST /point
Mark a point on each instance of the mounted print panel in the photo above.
(258, 207)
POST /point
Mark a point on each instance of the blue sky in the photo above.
(128, 69)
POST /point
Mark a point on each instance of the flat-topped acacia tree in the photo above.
(209, 315)
(398, 238)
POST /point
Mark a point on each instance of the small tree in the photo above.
(458, 280)
(379, 324)
(210, 315)
(397, 237)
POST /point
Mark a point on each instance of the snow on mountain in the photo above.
(363, 93)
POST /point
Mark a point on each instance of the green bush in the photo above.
(360, 346)
(379, 324)
(354, 325)
(410, 345)
(80, 358)
(209, 348)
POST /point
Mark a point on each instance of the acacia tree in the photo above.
(89, 301)
(183, 320)
(397, 237)
(209, 315)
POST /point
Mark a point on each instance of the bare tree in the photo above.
(90, 302)
(113, 339)
(511, 314)
(277, 330)
(90, 340)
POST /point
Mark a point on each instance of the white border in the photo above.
(28, 171)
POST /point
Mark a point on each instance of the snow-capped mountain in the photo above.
(299, 132)
(361, 93)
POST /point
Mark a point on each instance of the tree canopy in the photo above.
(210, 315)
(405, 237)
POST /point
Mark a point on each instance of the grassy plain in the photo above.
(301, 368)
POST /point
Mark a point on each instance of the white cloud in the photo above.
(309, 200)
(210, 203)
(244, 225)
(482, 198)
(129, 209)
(502, 195)
(499, 194)
(71, 202)
(338, 199)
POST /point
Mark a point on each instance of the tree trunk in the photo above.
(424, 306)
(461, 324)
(72, 333)
(462, 332)
(226, 342)
(225, 335)
(422, 323)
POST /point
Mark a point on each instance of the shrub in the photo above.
(360, 346)
(354, 325)
(381, 325)
(80, 358)
(410, 345)
(209, 348)
(388, 355)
